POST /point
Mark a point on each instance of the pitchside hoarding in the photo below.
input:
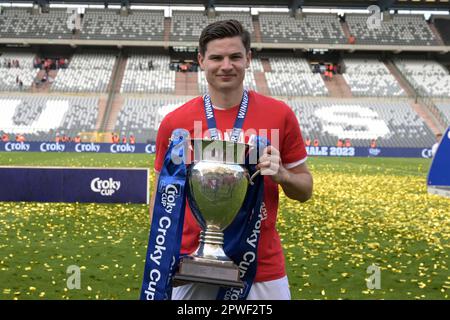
(87, 185)
(325, 151)
(13, 146)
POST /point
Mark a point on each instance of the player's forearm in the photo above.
(297, 186)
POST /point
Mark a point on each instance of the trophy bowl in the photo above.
(217, 182)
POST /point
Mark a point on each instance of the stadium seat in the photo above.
(393, 124)
(399, 30)
(187, 25)
(428, 77)
(88, 72)
(141, 116)
(139, 78)
(293, 77)
(20, 23)
(370, 77)
(109, 24)
(316, 28)
(41, 117)
(25, 72)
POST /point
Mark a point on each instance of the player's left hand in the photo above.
(270, 165)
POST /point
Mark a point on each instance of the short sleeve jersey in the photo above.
(265, 117)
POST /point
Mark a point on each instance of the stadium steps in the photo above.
(338, 87)
(436, 34)
(102, 102)
(257, 30)
(43, 87)
(119, 65)
(122, 65)
(406, 86)
(427, 117)
(114, 113)
(186, 83)
(261, 83)
(429, 114)
(266, 65)
(346, 29)
(167, 29)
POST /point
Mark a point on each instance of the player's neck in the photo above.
(226, 100)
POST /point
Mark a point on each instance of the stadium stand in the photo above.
(11, 76)
(187, 25)
(444, 108)
(109, 24)
(370, 77)
(141, 116)
(20, 23)
(89, 72)
(400, 30)
(429, 77)
(316, 28)
(140, 77)
(41, 117)
(293, 77)
(393, 124)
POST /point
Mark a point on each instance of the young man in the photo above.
(224, 54)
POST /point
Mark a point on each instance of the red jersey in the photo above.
(263, 113)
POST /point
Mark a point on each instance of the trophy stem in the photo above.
(211, 237)
(211, 246)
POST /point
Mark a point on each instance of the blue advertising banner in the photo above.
(111, 185)
(439, 174)
(76, 147)
(326, 151)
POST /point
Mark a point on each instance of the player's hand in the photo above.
(270, 165)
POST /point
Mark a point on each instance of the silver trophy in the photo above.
(218, 184)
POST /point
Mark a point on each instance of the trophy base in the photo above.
(208, 272)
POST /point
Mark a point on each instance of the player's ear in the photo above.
(201, 60)
(248, 58)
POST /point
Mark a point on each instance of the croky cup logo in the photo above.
(105, 187)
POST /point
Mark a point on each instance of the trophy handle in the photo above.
(254, 176)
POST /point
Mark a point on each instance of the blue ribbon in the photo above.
(167, 224)
(241, 238)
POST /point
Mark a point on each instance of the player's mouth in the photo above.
(226, 77)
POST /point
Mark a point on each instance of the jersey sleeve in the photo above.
(293, 150)
(162, 142)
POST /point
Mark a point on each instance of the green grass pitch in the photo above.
(363, 212)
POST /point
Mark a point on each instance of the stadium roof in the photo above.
(392, 4)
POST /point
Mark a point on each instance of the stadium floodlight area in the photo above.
(20, 23)
(188, 25)
(393, 124)
(109, 24)
(139, 77)
(141, 117)
(88, 72)
(399, 30)
(311, 28)
(370, 77)
(11, 75)
(429, 77)
(40, 118)
(293, 77)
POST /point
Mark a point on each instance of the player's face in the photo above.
(224, 63)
